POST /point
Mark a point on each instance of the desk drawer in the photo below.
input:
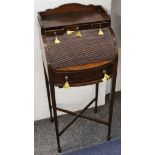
(82, 77)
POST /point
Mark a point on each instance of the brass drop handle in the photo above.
(78, 33)
(56, 41)
(100, 33)
(106, 76)
(66, 85)
(70, 32)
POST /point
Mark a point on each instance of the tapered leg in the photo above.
(48, 94)
(96, 96)
(112, 93)
(55, 116)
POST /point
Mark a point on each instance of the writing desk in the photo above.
(79, 49)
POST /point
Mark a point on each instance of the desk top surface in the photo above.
(74, 51)
(72, 14)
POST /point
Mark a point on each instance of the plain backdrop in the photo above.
(75, 98)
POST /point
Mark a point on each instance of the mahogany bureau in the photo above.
(79, 49)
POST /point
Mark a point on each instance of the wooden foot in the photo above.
(108, 138)
(59, 150)
(52, 120)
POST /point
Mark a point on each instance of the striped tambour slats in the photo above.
(73, 51)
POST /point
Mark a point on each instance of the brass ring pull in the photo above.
(66, 85)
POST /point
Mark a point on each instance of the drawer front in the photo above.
(100, 25)
(82, 77)
(80, 26)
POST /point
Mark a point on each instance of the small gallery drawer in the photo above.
(82, 77)
(55, 32)
(79, 26)
(100, 25)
